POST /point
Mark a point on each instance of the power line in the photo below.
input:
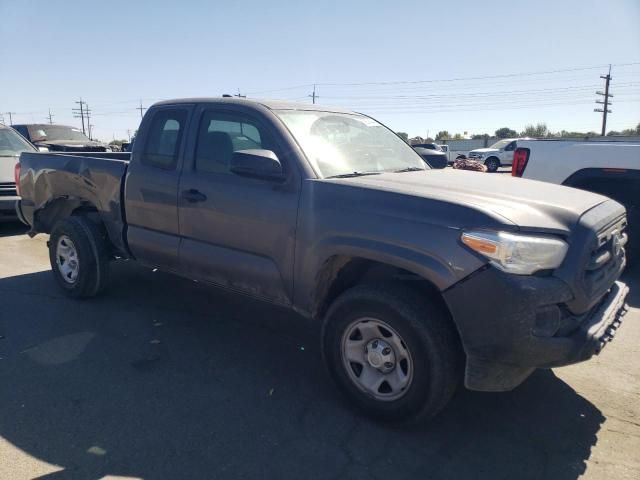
(605, 110)
(455, 79)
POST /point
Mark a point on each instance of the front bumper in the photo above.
(510, 325)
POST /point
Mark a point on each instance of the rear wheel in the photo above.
(392, 352)
(492, 164)
(78, 252)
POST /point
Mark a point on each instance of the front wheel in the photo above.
(392, 352)
(79, 256)
(492, 164)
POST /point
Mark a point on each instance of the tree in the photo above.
(506, 132)
(458, 136)
(404, 136)
(539, 130)
(480, 136)
(443, 135)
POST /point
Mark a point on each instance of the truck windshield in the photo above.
(501, 144)
(12, 144)
(341, 144)
(39, 133)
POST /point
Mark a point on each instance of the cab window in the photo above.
(164, 139)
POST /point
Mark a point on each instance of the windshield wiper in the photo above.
(353, 174)
(410, 169)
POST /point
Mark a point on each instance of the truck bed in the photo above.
(89, 178)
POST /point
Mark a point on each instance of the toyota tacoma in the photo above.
(421, 278)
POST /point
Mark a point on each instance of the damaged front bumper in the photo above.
(510, 325)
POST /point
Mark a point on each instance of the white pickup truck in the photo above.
(607, 167)
(498, 155)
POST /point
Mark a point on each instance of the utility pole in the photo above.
(50, 117)
(79, 113)
(239, 95)
(141, 108)
(87, 112)
(129, 135)
(10, 117)
(605, 102)
(313, 95)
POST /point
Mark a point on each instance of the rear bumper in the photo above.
(8, 207)
(527, 327)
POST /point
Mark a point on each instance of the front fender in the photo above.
(319, 270)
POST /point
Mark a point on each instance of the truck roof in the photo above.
(41, 125)
(270, 104)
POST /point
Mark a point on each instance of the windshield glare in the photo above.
(340, 143)
(56, 132)
(12, 144)
(501, 144)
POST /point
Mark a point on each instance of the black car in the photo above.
(434, 158)
(59, 138)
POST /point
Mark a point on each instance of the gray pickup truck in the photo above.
(420, 277)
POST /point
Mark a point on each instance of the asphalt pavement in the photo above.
(164, 378)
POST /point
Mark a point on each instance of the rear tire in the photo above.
(492, 164)
(78, 252)
(420, 335)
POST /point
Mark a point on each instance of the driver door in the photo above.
(236, 232)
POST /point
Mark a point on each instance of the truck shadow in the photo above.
(161, 378)
(11, 228)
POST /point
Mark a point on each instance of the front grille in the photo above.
(8, 189)
(606, 256)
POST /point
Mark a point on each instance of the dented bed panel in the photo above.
(53, 185)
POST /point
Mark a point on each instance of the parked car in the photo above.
(498, 155)
(331, 214)
(434, 158)
(607, 168)
(12, 145)
(429, 146)
(60, 138)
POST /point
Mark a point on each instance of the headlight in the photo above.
(516, 253)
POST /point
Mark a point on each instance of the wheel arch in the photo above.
(60, 208)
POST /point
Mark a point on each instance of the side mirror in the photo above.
(257, 163)
(43, 149)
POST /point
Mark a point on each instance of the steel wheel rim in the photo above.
(366, 360)
(67, 259)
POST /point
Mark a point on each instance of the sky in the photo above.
(419, 67)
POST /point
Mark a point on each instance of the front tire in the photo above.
(78, 252)
(492, 164)
(392, 352)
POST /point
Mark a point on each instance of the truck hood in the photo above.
(485, 150)
(526, 204)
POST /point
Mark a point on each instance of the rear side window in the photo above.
(22, 131)
(221, 134)
(164, 139)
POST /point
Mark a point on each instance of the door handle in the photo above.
(192, 195)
